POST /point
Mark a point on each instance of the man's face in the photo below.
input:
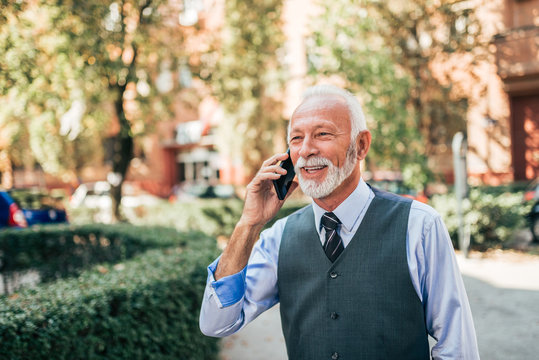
(320, 145)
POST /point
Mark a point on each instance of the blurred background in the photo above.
(159, 112)
(169, 97)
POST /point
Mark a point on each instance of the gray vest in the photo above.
(362, 306)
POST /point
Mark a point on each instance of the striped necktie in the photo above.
(333, 246)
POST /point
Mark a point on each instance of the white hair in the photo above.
(357, 119)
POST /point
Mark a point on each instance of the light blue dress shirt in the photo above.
(233, 301)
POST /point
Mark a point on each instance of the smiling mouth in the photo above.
(311, 169)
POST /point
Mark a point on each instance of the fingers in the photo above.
(274, 169)
(270, 170)
(275, 159)
(261, 176)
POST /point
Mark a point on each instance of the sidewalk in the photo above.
(503, 290)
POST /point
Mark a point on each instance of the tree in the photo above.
(38, 79)
(387, 50)
(83, 64)
(248, 81)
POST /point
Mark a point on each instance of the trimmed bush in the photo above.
(214, 217)
(59, 251)
(145, 308)
(492, 214)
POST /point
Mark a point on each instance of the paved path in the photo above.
(504, 297)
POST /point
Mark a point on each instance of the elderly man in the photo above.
(360, 273)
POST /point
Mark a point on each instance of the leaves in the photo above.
(248, 81)
(147, 309)
(492, 215)
(385, 51)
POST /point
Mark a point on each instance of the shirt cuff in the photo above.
(229, 289)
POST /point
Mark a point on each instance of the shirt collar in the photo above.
(348, 211)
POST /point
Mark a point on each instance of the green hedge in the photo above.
(145, 308)
(59, 251)
(493, 215)
(214, 217)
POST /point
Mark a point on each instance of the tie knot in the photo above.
(330, 221)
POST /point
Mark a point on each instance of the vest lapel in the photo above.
(308, 226)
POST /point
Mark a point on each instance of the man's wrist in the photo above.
(249, 226)
(238, 249)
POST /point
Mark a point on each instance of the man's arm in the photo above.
(447, 311)
(232, 302)
(261, 205)
(234, 296)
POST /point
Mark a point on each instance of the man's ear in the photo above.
(363, 142)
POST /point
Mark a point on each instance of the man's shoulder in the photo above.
(390, 196)
(425, 209)
(417, 208)
(423, 215)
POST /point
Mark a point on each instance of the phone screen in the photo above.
(283, 183)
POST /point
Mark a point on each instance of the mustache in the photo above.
(312, 161)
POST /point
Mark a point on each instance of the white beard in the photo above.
(334, 178)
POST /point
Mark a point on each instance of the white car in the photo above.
(96, 196)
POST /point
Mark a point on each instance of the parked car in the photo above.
(203, 191)
(96, 195)
(93, 195)
(10, 213)
(27, 207)
(532, 194)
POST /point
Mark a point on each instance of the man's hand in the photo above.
(261, 205)
(261, 201)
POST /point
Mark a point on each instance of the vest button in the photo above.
(333, 275)
(335, 356)
(334, 315)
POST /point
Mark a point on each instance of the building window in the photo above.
(198, 166)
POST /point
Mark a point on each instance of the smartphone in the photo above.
(282, 184)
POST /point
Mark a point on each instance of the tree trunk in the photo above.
(122, 155)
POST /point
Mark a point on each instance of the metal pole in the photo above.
(460, 148)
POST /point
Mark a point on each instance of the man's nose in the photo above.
(308, 148)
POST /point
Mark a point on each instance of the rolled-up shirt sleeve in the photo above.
(233, 301)
(228, 290)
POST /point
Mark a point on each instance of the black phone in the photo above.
(282, 184)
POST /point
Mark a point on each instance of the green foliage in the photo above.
(144, 308)
(248, 81)
(384, 51)
(211, 216)
(60, 251)
(491, 214)
(215, 217)
(38, 82)
(70, 69)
